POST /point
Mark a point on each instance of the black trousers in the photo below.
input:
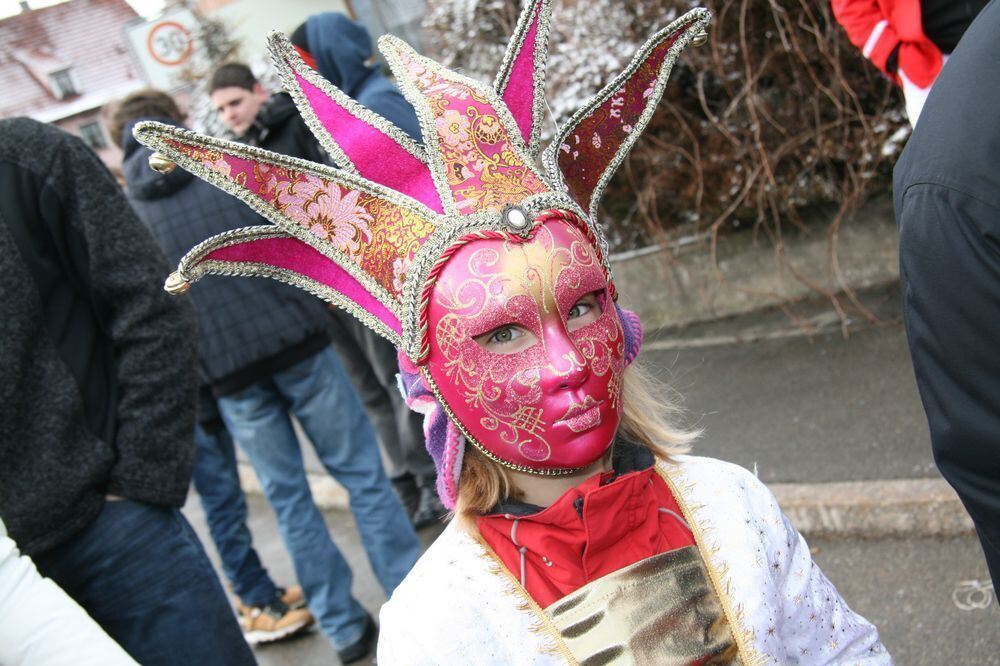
(950, 271)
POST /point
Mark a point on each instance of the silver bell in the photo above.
(161, 164)
(176, 284)
(700, 39)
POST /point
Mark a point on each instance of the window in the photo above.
(93, 135)
(62, 83)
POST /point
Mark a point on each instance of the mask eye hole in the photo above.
(585, 311)
(506, 339)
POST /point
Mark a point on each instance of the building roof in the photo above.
(85, 36)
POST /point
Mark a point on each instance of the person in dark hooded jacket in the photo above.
(265, 353)
(339, 49)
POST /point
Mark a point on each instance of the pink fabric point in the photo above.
(297, 257)
(519, 95)
(591, 147)
(482, 168)
(376, 155)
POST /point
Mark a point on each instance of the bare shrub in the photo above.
(774, 124)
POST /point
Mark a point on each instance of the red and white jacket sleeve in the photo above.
(878, 27)
(869, 29)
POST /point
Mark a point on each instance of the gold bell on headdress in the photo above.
(161, 164)
(698, 40)
(175, 283)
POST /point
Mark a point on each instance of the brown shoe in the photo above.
(292, 597)
(273, 622)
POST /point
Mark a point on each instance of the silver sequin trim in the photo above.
(288, 64)
(691, 24)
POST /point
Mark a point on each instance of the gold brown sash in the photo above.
(659, 611)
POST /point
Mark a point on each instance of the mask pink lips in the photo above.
(583, 416)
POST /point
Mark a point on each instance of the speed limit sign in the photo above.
(169, 43)
(165, 48)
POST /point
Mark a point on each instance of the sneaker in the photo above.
(292, 597)
(359, 649)
(273, 622)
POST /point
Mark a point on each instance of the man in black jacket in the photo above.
(97, 405)
(253, 117)
(265, 352)
(946, 187)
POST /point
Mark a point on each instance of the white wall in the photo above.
(251, 20)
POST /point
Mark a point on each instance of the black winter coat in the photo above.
(97, 362)
(946, 187)
(280, 129)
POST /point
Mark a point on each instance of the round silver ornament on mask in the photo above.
(517, 220)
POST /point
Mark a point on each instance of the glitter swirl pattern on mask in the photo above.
(556, 403)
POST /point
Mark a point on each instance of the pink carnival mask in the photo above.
(526, 348)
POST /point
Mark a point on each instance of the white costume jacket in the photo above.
(460, 605)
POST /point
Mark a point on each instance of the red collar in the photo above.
(598, 527)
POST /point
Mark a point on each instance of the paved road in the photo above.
(908, 588)
(804, 410)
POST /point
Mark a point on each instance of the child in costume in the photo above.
(584, 534)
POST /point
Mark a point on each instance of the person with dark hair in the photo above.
(339, 49)
(97, 406)
(265, 351)
(255, 118)
(267, 612)
(946, 189)
(342, 49)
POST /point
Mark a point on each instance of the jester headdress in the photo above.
(370, 235)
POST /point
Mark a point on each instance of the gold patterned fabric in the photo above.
(659, 611)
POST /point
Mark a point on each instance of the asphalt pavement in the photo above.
(802, 408)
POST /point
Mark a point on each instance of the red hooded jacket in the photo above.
(877, 27)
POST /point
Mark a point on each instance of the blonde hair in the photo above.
(647, 419)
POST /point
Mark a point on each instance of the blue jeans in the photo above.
(320, 396)
(218, 484)
(141, 573)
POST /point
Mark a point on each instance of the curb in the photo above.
(891, 508)
(858, 509)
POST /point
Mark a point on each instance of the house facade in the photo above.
(63, 63)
